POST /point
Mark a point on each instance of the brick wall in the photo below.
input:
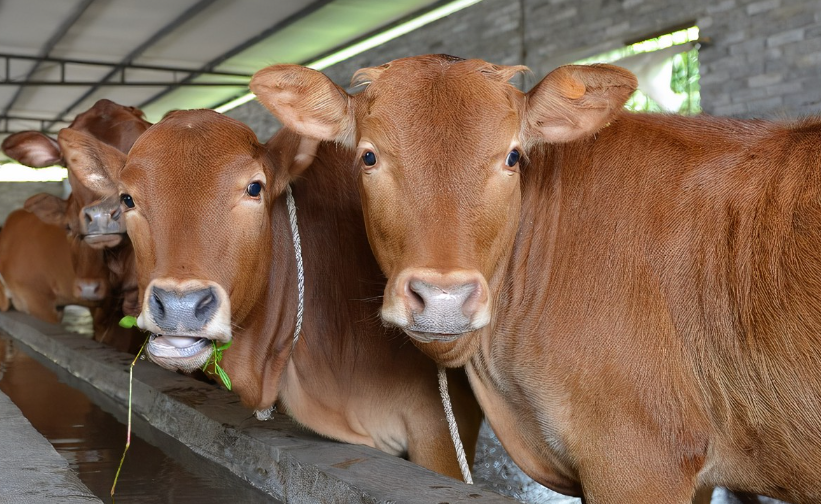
(764, 59)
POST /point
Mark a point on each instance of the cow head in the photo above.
(195, 192)
(90, 271)
(441, 144)
(91, 218)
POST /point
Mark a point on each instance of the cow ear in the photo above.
(32, 148)
(96, 164)
(48, 208)
(576, 101)
(290, 154)
(306, 101)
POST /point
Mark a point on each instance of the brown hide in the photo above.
(36, 268)
(653, 280)
(195, 225)
(118, 126)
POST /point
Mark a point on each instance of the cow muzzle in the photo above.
(431, 305)
(90, 289)
(102, 224)
(184, 317)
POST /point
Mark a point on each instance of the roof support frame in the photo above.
(63, 62)
(5, 119)
(46, 50)
(183, 18)
(209, 67)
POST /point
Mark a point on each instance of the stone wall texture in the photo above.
(761, 58)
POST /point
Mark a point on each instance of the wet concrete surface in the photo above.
(91, 439)
(32, 471)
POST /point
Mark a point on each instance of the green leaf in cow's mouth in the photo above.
(128, 321)
(216, 357)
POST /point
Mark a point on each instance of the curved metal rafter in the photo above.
(46, 50)
(208, 67)
(183, 18)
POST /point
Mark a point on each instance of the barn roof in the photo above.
(59, 57)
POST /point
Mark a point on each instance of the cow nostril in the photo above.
(415, 299)
(205, 307)
(116, 214)
(157, 306)
(88, 218)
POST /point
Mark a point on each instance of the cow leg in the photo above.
(434, 451)
(429, 441)
(704, 495)
(746, 498)
(636, 469)
(638, 489)
(44, 309)
(5, 301)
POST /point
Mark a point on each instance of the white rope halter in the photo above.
(300, 285)
(300, 275)
(454, 430)
(300, 271)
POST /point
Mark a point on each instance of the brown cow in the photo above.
(96, 222)
(206, 213)
(636, 298)
(40, 273)
(89, 219)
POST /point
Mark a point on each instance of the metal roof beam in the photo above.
(23, 118)
(183, 18)
(208, 67)
(134, 83)
(6, 119)
(46, 50)
(64, 62)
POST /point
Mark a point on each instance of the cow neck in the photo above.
(531, 256)
(267, 413)
(516, 319)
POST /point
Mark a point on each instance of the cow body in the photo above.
(222, 250)
(636, 298)
(36, 267)
(90, 220)
(665, 309)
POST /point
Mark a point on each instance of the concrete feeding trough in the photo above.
(32, 469)
(277, 456)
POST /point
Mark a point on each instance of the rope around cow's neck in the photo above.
(454, 429)
(443, 378)
(300, 284)
(300, 271)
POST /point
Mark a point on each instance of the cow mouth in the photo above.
(433, 337)
(174, 352)
(99, 241)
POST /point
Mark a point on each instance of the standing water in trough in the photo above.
(92, 441)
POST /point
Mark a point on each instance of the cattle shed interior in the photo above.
(755, 58)
(733, 58)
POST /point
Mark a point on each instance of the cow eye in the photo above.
(253, 189)
(512, 158)
(369, 158)
(127, 200)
